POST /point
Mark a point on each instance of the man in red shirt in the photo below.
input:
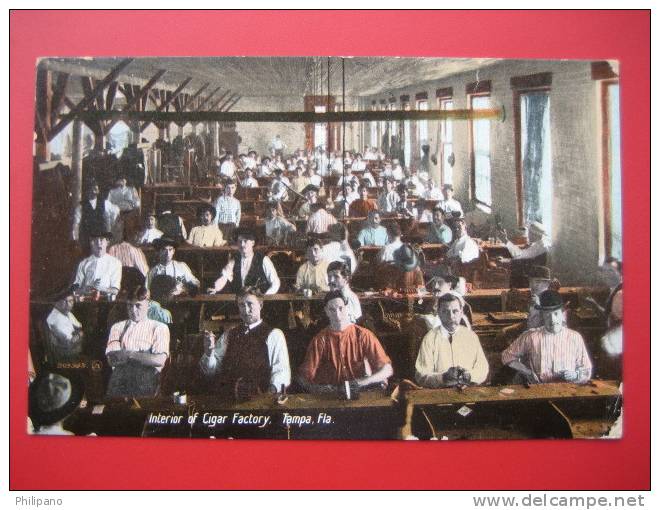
(360, 208)
(343, 352)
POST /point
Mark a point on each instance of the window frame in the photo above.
(442, 101)
(473, 177)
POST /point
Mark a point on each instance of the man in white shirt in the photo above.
(228, 167)
(277, 146)
(338, 248)
(448, 203)
(248, 180)
(249, 358)
(180, 271)
(388, 200)
(540, 243)
(65, 334)
(207, 234)
(123, 196)
(432, 191)
(397, 170)
(93, 214)
(247, 269)
(228, 210)
(150, 232)
(463, 248)
(99, 272)
(450, 354)
(394, 233)
(338, 280)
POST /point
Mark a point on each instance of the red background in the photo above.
(68, 463)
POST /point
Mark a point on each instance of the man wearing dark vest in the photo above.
(247, 269)
(249, 358)
(93, 214)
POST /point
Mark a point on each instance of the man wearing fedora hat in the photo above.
(311, 194)
(52, 397)
(450, 354)
(100, 271)
(65, 334)
(167, 265)
(552, 352)
(247, 268)
(404, 273)
(206, 234)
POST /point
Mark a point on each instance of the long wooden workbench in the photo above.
(547, 410)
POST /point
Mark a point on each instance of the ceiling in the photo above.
(272, 76)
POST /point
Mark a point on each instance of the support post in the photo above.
(76, 162)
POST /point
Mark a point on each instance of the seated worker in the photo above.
(450, 354)
(52, 398)
(248, 180)
(550, 353)
(389, 198)
(338, 248)
(432, 191)
(611, 344)
(463, 248)
(100, 271)
(343, 352)
(130, 256)
(137, 350)
(540, 243)
(319, 220)
(362, 206)
(373, 234)
(123, 196)
(247, 268)
(404, 274)
(228, 210)
(394, 233)
(425, 212)
(150, 232)
(207, 233)
(338, 280)
(438, 231)
(65, 334)
(249, 358)
(300, 181)
(311, 194)
(162, 289)
(279, 230)
(180, 271)
(442, 282)
(448, 203)
(610, 273)
(313, 274)
(171, 224)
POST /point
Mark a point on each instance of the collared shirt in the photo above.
(148, 236)
(337, 356)
(532, 251)
(228, 169)
(227, 210)
(206, 236)
(126, 198)
(105, 268)
(438, 234)
(387, 253)
(387, 202)
(250, 182)
(313, 277)
(464, 248)
(246, 262)
(354, 307)
(177, 270)
(548, 354)
(373, 236)
(130, 256)
(144, 336)
(278, 357)
(440, 351)
(451, 205)
(319, 222)
(62, 338)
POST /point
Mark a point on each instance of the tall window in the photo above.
(373, 131)
(320, 130)
(383, 135)
(612, 169)
(446, 142)
(394, 133)
(480, 152)
(536, 157)
(407, 141)
(422, 125)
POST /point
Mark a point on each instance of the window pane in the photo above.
(536, 158)
(406, 138)
(320, 130)
(615, 171)
(481, 147)
(422, 126)
(446, 136)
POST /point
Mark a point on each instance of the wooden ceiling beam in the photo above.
(165, 103)
(233, 103)
(138, 95)
(229, 100)
(88, 99)
(204, 101)
(194, 96)
(218, 101)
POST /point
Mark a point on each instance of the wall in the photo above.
(575, 132)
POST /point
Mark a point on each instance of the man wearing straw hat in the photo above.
(552, 352)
